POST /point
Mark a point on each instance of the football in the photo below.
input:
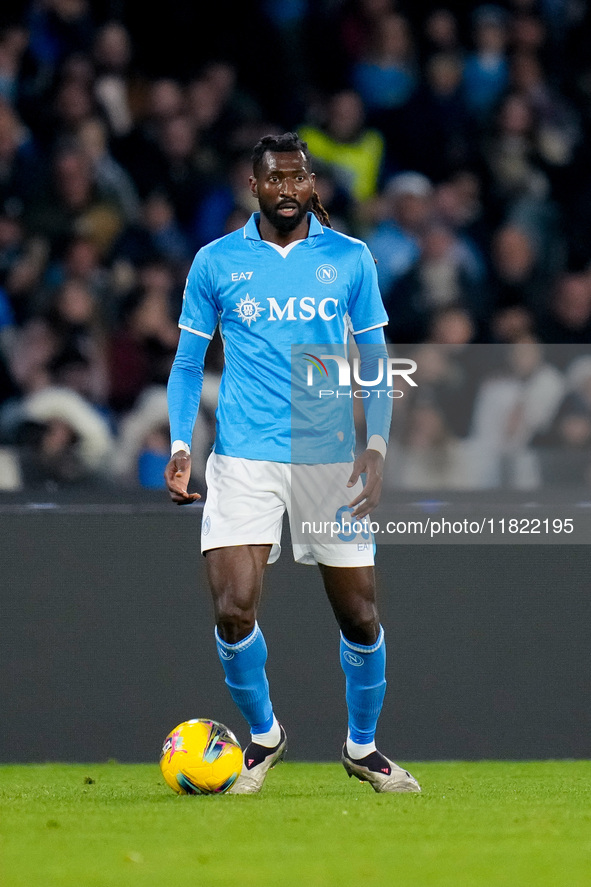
(200, 757)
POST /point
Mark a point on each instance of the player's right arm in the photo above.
(184, 393)
(197, 322)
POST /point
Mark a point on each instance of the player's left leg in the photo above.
(352, 595)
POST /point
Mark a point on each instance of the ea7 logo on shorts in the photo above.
(326, 273)
(241, 275)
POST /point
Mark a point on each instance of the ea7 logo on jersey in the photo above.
(241, 275)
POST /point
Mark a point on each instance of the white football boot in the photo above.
(382, 774)
(258, 760)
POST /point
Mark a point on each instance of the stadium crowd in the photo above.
(453, 138)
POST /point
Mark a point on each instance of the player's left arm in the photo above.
(378, 415)
(368, 319)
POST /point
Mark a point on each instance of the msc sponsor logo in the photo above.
(326, 273)
(302, 309)
(248, 309)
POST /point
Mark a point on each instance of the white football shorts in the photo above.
(247, 498)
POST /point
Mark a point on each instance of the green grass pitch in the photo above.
(118, 825)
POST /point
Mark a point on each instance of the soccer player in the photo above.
(284, 279)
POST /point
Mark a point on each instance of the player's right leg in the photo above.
(235, 576)
(241, 533)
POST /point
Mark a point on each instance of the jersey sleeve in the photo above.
(366, 309)
(200, 309)
(378, 410)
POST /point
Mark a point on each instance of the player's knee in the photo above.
(235, 620)
(362, 624)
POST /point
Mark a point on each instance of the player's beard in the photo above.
(283, 224)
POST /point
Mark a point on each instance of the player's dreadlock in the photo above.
(289, 141)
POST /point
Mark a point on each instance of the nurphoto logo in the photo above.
(387, 369)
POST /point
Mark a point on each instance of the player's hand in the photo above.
(370, 463)
(177, 475)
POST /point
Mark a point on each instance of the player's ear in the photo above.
(253, 185)
(313, 178)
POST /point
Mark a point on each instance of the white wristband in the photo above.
(377, 442)
(178, 445)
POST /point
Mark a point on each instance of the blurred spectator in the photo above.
(354, 152)
(442, 277)
(19, 172)
(446, 376)
(519, 187)
(512, 325)
(71, 102)
(220, 107)
(441, 33)
(22, 259)
(565, 456)
(564, 451)
(336, 200)
(385, 76)
(435, 128)
(64, 440)
(568, 318)
(57, 29)
(518, 275)
(221, 111)
(405, 209)
(144, 444)
(138, 150)
(511, 154)
(527, 31)
(156, 235)
(510, 410)
(81, 262)
(111, 178)
(72, 204)
(458, 201)
(222, 199)
(454, 325)
(431, 457)
(558, 123)
(65, 345)
(13, 43)
(112, 53)
(287, 22)
(359, 22)
(144, 343)
(486, 69)
(184, 172)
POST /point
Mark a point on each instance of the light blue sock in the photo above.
(365, 674)
(244, 665)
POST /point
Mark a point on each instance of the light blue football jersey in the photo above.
(274, 308)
